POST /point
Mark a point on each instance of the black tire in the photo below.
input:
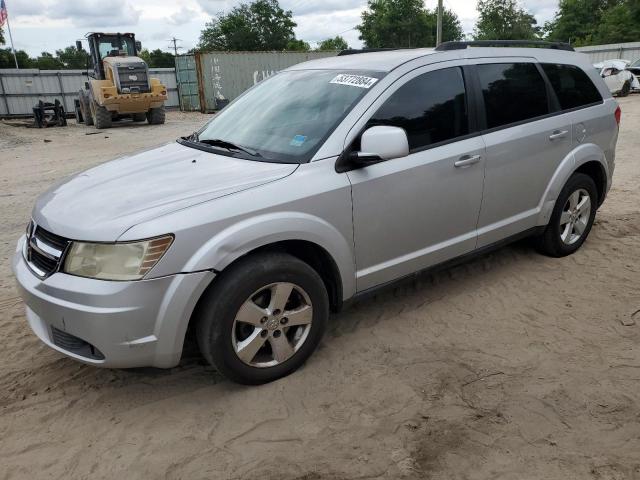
(220, 304)
(85, 108)
(550, 242)
(139, 117)
(626, 89)
(156, 116)
(102, 118)
(78, 113)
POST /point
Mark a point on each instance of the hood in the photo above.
(617, 64)
(103, 202)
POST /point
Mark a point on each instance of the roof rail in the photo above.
(504, 43)
(355, 51)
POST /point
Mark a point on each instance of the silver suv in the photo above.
(325, 181)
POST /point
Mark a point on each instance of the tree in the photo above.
(451, 26)
(337, 43)
(261, 25)
(405, 23)
(158, 59)
(1, 36)
(46, 61)
(577, 20)
(72, 58)
(505, 20)
(620, 23)
(296, 45)
(6, 59)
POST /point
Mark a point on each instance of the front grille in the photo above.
(73, 344)
(133, 78)
(44, 250)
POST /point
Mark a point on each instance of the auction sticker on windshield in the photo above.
(354, 80)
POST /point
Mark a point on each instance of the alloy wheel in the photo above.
(272, 325)
(575, 216)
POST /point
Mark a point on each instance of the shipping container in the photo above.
(207, 81)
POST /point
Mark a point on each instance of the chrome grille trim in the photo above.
(44, 251)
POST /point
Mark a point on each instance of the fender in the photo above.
(241, 238)
(579, 156)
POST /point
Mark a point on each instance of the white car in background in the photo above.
(620, 81)
(634, 68)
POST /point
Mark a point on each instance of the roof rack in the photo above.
(504, 43)
(355, 51)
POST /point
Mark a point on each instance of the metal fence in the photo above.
(21, 89)
(600, 53)
(205, 78)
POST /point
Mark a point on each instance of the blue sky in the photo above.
(40, 25)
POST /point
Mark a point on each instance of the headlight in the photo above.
(115, 261)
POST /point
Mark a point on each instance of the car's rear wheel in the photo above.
(626, 89)
(572, 217)
(262, 318)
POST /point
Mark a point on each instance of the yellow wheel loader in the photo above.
(118, 85)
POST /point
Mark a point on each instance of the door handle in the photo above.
(558, 134)
(467, 161)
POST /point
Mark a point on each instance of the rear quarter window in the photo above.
(572, 85)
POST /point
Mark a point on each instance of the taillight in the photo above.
(618, 115)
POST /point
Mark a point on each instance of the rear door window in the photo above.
(512, 92)
(432, 108)
(572, 86)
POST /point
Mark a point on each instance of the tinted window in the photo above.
(432, 108)
(512, 92)
(572, 86)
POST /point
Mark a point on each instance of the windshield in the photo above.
(636, 63)
(287, 117)
(111, 46)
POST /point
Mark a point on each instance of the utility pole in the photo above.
(439, 27)
(4, 17)
(175, 47)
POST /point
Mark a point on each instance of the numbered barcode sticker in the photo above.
(354, 80)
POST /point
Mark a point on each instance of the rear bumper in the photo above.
(111, 324)
(134, 102)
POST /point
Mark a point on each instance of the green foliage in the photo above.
(405, 23)
(6, 59)
(1, 36)
(620, 23)
(297, 46)
(72, 58)
(158, 59)
(337, 43)
(261, 25)
(577, 21)
(505, 20)
(46, 61)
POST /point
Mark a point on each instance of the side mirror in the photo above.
(138, 46)
(79, 46)
(382, 143)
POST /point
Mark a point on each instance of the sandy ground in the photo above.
(514, 366)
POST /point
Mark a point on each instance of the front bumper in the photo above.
(108, 323)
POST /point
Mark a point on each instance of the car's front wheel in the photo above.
(572, 217)
(262, 318)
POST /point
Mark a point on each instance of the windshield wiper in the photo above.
(216, 142)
